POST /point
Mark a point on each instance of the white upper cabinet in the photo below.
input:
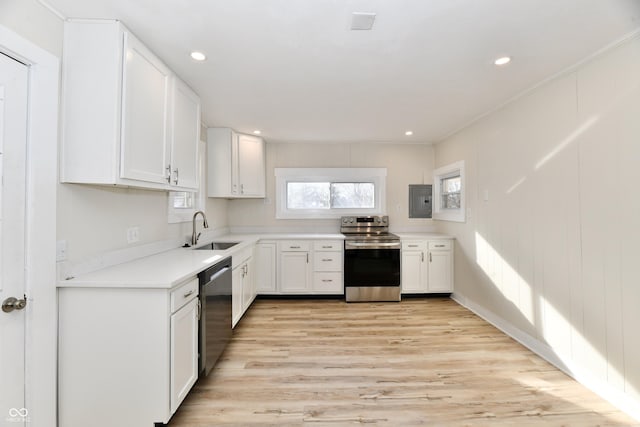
(145, 92)
(127, 119)
(186, 130)
(251, 168)
(236, 164)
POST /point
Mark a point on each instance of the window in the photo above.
(182, 204)
(450, 192)
(448, 197)
(329, 192)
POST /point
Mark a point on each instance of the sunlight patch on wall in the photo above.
(568, 140)
(505, 278)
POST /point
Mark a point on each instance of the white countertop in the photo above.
(168, 269)
(164, 270)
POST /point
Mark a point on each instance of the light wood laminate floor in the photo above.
(419, 362)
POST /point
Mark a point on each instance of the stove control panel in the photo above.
(363, 222)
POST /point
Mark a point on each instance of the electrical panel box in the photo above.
(420, 200)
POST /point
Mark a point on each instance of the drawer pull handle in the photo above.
(439, 246)
(188, 293)
(327, 280)
(326, 259)
(413, 246)
(294, 247)
(327, 247)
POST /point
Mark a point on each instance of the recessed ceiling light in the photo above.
(198, 56)
(257, 132)
(409, 133)
(504, 60)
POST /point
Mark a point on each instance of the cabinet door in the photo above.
(251, 174)
(412, 274)
(145, 92)
(440, 271)
(236, 294)
(184, 352)
(265, 278)
(185, 136)
(248, 287)
(294, 272)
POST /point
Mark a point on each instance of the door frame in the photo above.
(40, 226)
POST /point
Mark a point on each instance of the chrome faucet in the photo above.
(194, 236)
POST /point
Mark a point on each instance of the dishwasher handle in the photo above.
(218, 274)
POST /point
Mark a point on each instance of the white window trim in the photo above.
(186, 215)
(284, 175)
(457, 215)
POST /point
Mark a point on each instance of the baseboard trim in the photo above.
(614, 396)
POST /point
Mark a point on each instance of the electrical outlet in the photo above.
(61, 250)
(133, 234)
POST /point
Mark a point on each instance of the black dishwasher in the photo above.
(215, 318)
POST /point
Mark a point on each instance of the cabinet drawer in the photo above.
(441, 245)
(184, 294)
(328, 282)
(414, 246)
(328, 245)
(294, 246)
(327, 261)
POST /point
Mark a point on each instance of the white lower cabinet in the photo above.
(427, 266)
(184, 352)
(294, 268)
(126, 356)
(327, 267)
(440, 266)
(309, 267)
(413, 277)
(265, 278)
(243, 290)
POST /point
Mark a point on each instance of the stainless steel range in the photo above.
(371, 259)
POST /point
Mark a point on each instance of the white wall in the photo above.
(553, 252)
(33, 22)
(406, 164)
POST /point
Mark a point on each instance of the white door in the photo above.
(13, 137)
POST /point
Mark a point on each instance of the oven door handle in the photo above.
(386, 245)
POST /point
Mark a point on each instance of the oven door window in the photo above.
(372, 267)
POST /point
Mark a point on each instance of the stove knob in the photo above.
(384, 219)
(351, 220)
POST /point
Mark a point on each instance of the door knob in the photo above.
(13, 303)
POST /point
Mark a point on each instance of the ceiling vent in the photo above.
(362, 20)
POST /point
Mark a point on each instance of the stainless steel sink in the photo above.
(217, 246)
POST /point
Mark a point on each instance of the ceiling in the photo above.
(295, 70)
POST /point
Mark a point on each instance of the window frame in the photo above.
(377, 176)
(440, 174)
